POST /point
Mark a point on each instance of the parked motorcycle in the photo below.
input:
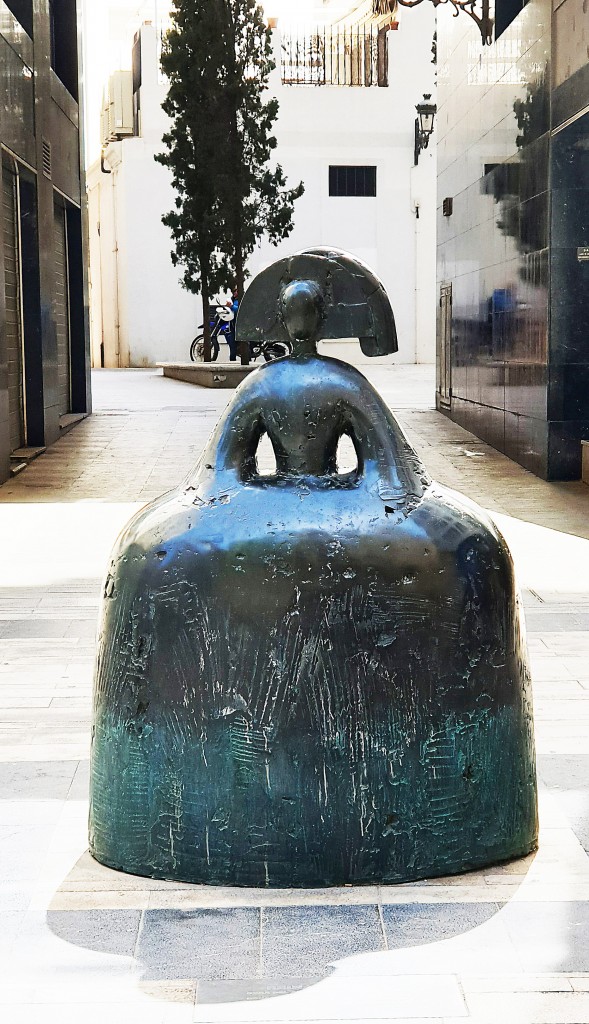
(221, 321)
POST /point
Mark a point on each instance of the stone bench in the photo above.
(208, 375)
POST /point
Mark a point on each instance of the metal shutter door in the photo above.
(61, 311)
(13, 310)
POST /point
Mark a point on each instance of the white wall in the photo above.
(108, 28)
(159, 318)
(106, 284)
(317, 127)
(139, 310)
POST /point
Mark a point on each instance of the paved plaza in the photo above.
(81, 943)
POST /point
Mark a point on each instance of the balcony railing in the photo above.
(328, 55)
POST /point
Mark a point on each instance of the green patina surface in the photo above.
(296, 687)
(311, 678)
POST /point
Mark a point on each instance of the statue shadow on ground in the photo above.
(240, 944)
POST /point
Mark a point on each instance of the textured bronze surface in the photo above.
(314, 677)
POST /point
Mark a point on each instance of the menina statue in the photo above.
(311, 678)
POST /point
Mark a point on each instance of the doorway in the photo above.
(13, 303)
(61, 310)
(445, 349)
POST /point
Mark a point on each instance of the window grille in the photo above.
(334, 55)
(352, 181)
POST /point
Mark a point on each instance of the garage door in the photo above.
(13, 310)
(61, 311)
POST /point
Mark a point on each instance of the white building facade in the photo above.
(141, 315)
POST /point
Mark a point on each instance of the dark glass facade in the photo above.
(513, 139)
(44, 335)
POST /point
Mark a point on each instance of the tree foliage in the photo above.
(229, 192)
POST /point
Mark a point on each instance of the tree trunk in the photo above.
(206, 301)
(235, 156)
(244, 349)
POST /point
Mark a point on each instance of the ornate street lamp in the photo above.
(478, 10)
(424, 125)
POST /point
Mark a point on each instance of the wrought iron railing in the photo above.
(335, 55)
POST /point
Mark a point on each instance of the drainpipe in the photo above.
(415, 209)
(116, 252)
(114, 157)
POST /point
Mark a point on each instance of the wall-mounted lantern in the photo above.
(424, 125)
(478, 10)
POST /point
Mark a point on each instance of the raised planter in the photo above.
(208, 375)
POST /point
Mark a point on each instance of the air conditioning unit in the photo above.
(118, 121)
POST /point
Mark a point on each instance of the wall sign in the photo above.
(583, 254)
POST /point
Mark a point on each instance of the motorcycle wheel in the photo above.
(197, 349)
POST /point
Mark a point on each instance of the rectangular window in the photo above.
(352, 181)
(136, 62)
(23, 12)
(506, 11)
(64, 43)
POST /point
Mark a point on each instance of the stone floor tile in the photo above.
(183, 992)
(550, 667)
(462, 1020)
(91, 1013)
(252, 989)
(518, 983)
(193, 897)
(304, 941)
(416, 924)
(87, 875)
(104, 931)
(558, 621)
(343, 999)
(486, 949)
(37, 780)
(549, 936)
(110, 899)
(23, 702)
(530, 1007)
(481, 892)
(211, 944)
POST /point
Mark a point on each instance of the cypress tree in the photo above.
(218, 60)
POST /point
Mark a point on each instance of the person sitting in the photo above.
(233, 303)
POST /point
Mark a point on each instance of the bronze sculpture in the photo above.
(314, 677)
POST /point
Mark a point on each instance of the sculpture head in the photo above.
(318, 295)
(301, 309)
